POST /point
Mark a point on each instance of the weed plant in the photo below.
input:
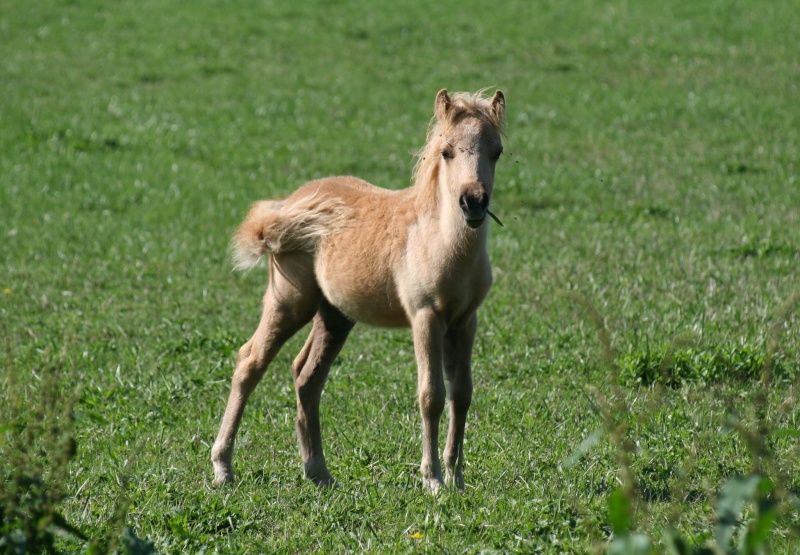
(36, 447)
(749, 506)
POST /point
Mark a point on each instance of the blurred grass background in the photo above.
(651, 169)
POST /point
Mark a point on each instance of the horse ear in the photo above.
(442, 105)
(499, 105)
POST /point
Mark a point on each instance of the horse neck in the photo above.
(442, 216)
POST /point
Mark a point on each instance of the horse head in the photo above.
(469, 143)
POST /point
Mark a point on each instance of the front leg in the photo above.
(458, 368)
(428, 334)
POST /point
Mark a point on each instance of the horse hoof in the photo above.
(455, 482)
(321, 479)
(222, 476)
(433, 485)
(324, 481)
(316, 471)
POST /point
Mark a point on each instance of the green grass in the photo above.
(651, 171)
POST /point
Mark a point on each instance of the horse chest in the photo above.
(462, 293)
(452, 290)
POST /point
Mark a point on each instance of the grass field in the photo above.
(647, 272)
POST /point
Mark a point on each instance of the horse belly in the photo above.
(362, 290)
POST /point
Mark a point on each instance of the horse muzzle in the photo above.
(474, 205)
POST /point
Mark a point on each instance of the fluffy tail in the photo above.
(273, 227)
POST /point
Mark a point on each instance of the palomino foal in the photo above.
(344, 251)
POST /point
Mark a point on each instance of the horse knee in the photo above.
(244, 352)
(250, 367)
(431, 400)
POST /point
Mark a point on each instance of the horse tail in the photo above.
(274, 226)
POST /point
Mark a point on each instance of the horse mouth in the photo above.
(476, 222)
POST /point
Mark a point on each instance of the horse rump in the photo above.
(279, 226)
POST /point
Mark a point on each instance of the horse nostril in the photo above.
(474, 204)
(464, 202)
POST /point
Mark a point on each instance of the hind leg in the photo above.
(291, 299)
(310, 370)
(458, 370)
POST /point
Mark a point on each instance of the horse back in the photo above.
(356, 265)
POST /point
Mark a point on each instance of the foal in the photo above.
(344, 251)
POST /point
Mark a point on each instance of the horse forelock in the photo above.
(463, 105)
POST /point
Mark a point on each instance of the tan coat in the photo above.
(344, 251)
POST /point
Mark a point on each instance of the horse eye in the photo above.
(497, 156)
(447, 155)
